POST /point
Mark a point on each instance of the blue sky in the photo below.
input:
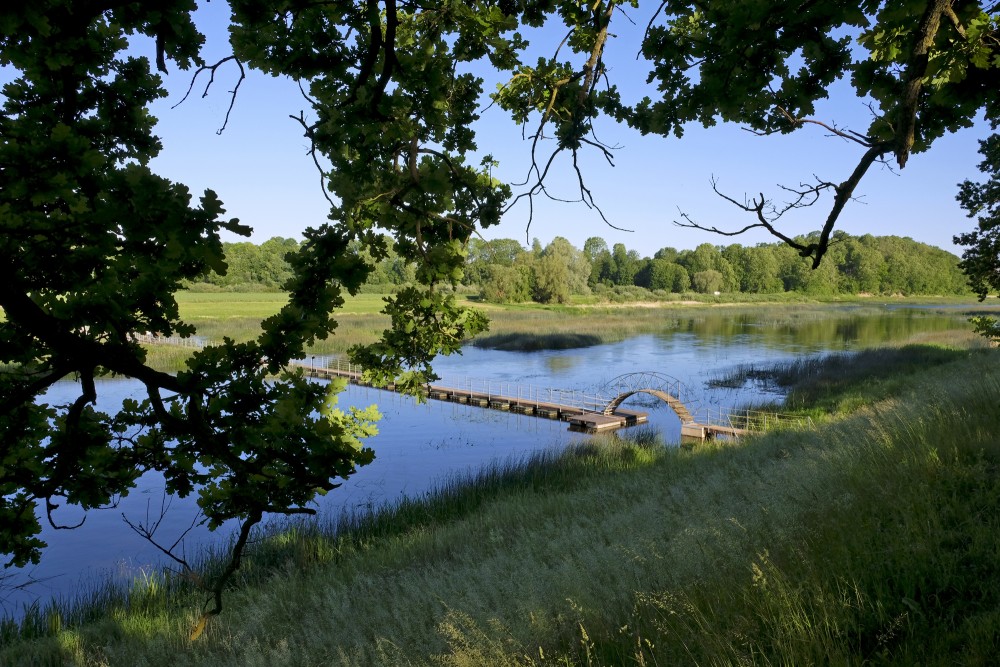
(260, 169)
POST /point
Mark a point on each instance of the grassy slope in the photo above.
(871, 538)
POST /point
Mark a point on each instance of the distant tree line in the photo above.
(505, 271)
(252, 267)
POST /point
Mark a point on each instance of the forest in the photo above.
(505, 271)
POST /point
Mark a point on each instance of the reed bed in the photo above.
(837, 383)
(870, 539)
(531, 327)
(522, 342)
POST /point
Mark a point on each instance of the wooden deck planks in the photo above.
(578, 418)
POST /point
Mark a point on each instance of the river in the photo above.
(421, 446)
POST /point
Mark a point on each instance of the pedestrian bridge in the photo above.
(592, 413)
(671, 391)
(663, 387)
(586, 412)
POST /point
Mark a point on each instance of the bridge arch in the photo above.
(675, 404)
(663, 387)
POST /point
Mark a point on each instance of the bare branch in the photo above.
(604, 148)
(845, 191)
(51, 507)
(590, 73)
(625, 14)
(148, 530)
(211, 69)
(806, 195)
(309, 134)
(849, 135)
(767, 213)
(691, 224)
(305, 95)
(649, 26)
(588, 197)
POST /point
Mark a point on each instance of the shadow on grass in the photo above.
(94, 616)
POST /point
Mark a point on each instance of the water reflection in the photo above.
(560, 362)
(421, 445)
(816, 330)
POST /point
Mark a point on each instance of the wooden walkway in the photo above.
(591, 415)
(587, 414)
(579, 418)
(709, 431)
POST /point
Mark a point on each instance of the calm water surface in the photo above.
(420, 446)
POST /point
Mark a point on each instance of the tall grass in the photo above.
(303, 546)
(869, 539)
(895, 559)
(838, 383)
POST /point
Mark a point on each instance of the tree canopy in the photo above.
(981, 259)
(504, 271)
(926, 68)
(94, 243)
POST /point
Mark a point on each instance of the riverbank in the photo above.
(870, 538)
(531, 327)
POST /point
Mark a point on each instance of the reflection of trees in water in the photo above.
(557, 363)
(816, 327)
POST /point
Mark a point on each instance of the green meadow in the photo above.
(232, 305)
(867, 539)
(524, 327)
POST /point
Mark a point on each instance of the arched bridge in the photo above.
(663, 387)
(585, 412)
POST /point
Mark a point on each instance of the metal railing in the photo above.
(515, 391)
(153, 339)
(745, 420)
(751, 420)
(635, 382)
(318, 362)
(524, 393)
